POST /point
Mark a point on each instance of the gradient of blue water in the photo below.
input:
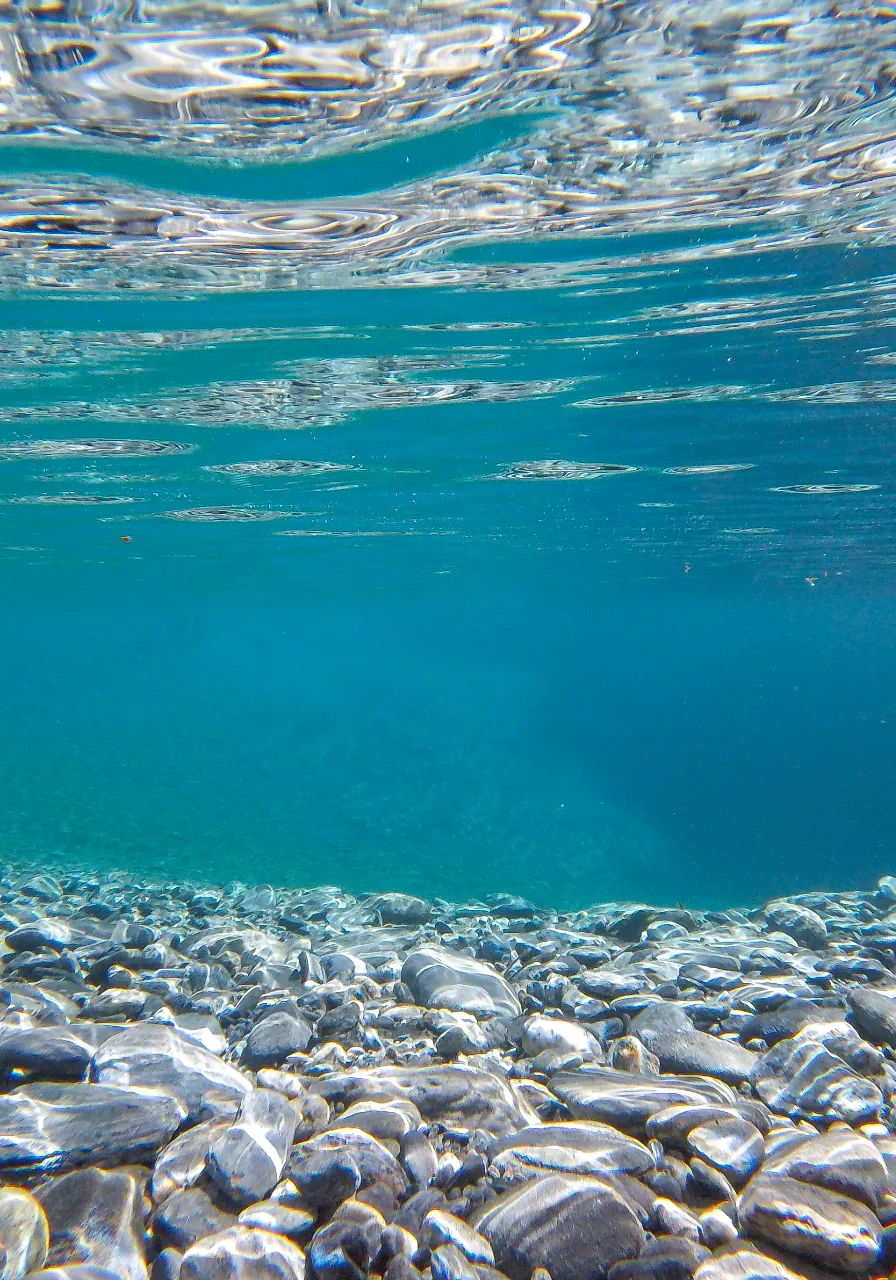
(562, 693)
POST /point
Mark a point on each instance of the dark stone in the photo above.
(243, 1253)
(186, 1217)
(248, 1159)
(823, 1226)
(53, 1127)
(874, 1014)
(442, 979)
(166, 1265)
(667, 1031)
(273, 1039)
(576, 1228)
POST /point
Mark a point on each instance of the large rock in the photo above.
(812, 1222)
(187, 1217)
(54, 1127)
(576, 1228)
(840, 1160)
(243, 1253)
(801, 1078)
(157, 1057)
(743, 1260)
(874, 1013)
(52, 1053)
(248, 1159)
(401, 908)
(626, 1100)
(96, 1219)
(442, 979)
(569, 1147)
(730, 1144)
(668, 1032)
(24, 1234)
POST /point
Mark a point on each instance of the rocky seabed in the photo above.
(249, 1083)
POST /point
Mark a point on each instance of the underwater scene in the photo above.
(448, 626)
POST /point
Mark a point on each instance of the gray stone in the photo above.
(823, 1226)
(243, 1253)
(401, 908)
(187, 1217)
(77, 1271)
(873, 1012)
(448, 1263)
(158, 1057)
(458, 1097)
(442, 979)
(668, 1032)
(24, 1234)
(248, 1159)
(541, 1033)
(730, 1144)
(627, 1101)
(581, 1147)
(743, 1260)
(326, 1165)
(96, 1219)
(440, 1228)
(576, 1228)
(800, 1077)
(52, 1053)
(273, 1039)
(182, 1163)
(803, 924)
(840, 1160)
(292, 1221)
(53, 1127)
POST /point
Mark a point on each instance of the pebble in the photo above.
(243, 1253)
(24, 1233)
(95, 1218)
(247, 1160)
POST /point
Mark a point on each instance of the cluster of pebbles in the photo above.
(249, 1083)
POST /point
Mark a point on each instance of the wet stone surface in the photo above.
(201, 1082)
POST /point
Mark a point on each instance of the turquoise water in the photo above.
(451, 505)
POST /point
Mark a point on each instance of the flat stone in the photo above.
(96, 1219)
(570, 1147)
(789, 1018)
(873, 1012)
(461, 1098)
(668, 1032)
(248, 1159)
(24, 1234)
(243, 1253)
(273, 1039)
(52, 1053)
(730, 1144)
(441, 979)
(449, 1263)
(823, 1226)
(627, 1101)
(158, 1057)
(76, 1272)
(575, 1228)
(48, 1128)
(840, 1160)
(801, 1078)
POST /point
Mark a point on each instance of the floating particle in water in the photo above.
(72, 499)
(658, 505)
(98, 477)
(557, 469)
(708, 469)
(280, 467)
(751, 529)
(824, 488)
(91, 448)
(234, 515)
